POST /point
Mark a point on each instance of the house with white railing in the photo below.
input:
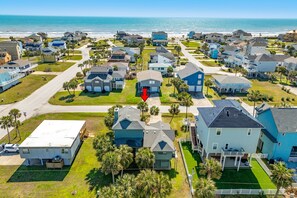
(226, 132)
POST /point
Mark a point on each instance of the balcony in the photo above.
(233, 152)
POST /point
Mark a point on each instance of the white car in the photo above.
(11, 148)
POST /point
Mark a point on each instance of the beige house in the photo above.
(4, 57)
(14, 48)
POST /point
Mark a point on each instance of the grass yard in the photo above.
(55, 67)
(84, 177)
(22, 90)
(166, 90)
(118, 43)
(273, 90)
(191, 44)
(210, 63)
(176, 123)
(72, 57)
(126, 96)
(254, 178)
(146, 57)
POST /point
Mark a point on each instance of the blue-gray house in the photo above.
(160, 38)
(130, 130)
(193, 76)
(279, 137)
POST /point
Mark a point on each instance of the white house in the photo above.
(58, 44)
(231, 84)
(265, 63)
(52, 139)
(256, 48)
(161, 67)
(291, 63)
(226, 132)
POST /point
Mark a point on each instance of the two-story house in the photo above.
(193, 76)
(9, 78)
(128, 51)
(160, 38)
(4, 57)
(104, 78)
(226, 132)
(279, 135)
(130, 130)
(58, 44)
(119, 56)
(14, 48)
(23, 66)
(161, 60)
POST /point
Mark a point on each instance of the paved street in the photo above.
(33, 103)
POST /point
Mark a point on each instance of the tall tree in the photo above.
(126, 156)
(174, 110)
(16, 114)
(187, 102)
(204, 188)
(145, 183)
(145, 158)
(73, 85)
(143, 107)
(66, 87)
(111, 163)
(254, 96)
(126, 186)
(81, 67)
(154, 110)
(103, 144)
(163, 185)
(208, 84)
(169, 72)
(6, 122)
(177, 48)
(281, 176)
(282, 71)
(109, 192)
(211, 168)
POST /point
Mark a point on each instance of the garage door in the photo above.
(154, 89)
(198, 88)
(89, 88)
(97, 89)
(191, 88)
(106, 88)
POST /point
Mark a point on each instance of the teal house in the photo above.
(130, 130)
(279, 136)
(160, 38)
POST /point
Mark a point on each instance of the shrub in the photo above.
(271, 98)
(48, 69)
(288, 91)
(79, 75)
(288, 99)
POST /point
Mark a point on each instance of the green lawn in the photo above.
(118, 43)
(83, 178)
(55, 67)
(191, 44)
(273, 90)
(177, 122)
(72, 57)
(167, 90)
(126, 96)
(210, 63)
(22, 90)
(254, 178)
(146, 57)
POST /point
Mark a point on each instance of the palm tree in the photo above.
(145, 183)
(237, 69)
(103, 144)
(254, 96)
(145, 158)
(109, 191)
(187, 102)
(126, 186)
(15, 114)
(111, 163)
(143, 107)
(154, 110)
(149, 41)
(163, 185)
(184, 87)
(66, 87)
(211, 168)
(6, 122)
(281, 176)
(81, 67)
(174, 110)
(126, 156)
(169, 72)
(208, 83)
(282, 71)
(27, 53)
(73, 85)
(204, 188)
(177, 48)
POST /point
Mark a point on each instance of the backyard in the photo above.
(167, 90)
(146, 57)
(72, 57)
(254, 178)
(54, 67)
(191, 44)
(84, 177)
(210, 63)
(22, 90)
(126, 96)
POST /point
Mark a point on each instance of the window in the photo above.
(219, 131)
(26, 151)
(199, 82)
(199, 76)
(284, 134)
(214, 146)
(279, 144)
(152, 82)
(64, 150)
(249, 132)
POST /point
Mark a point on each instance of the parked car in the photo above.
(11, 148)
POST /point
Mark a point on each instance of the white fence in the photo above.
(248, 191)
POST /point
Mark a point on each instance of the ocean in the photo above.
(107, 26)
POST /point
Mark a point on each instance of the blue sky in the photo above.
(151, 8)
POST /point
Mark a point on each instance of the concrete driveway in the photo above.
(10, 159)
(200, 101)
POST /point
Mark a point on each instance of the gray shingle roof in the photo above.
(129, 118)
(149, 75)
(285, 119)
(264, 58)
(189, 69)
(224, 79)
(228, 114)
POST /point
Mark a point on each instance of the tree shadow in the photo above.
(38, 173)
(96, 179)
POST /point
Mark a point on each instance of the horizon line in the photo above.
(198, 17)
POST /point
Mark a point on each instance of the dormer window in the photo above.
(219, 131)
